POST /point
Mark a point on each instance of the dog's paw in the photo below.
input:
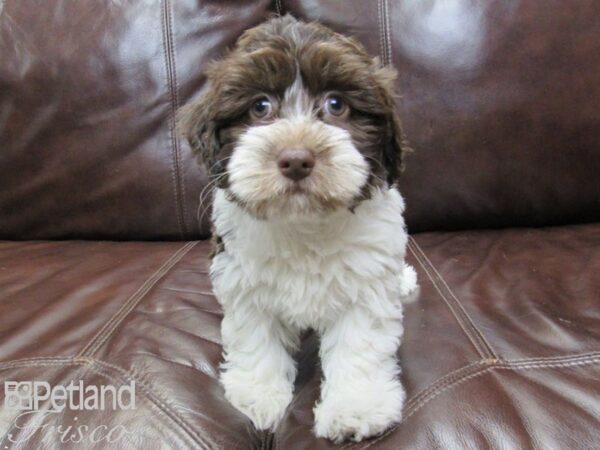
(263, 402)
(357, 415)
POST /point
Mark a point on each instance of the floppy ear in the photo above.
(197, 125)
(395, 148)
(395, 145)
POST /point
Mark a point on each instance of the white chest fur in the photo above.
(307, 271)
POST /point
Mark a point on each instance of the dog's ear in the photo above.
(196, 124)
(395, 146)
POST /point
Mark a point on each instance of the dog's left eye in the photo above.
(261, 108)
(335, 105)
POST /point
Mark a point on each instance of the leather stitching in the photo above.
(556, 361)
(278, 7)
(381, 32)
(544, 359)
(444, 379)
(485, 367)
(148, 393)
(25, 363)
(456, 316)
(443, 384)
(388, 43)
(111, 325)
(530, 362)
(479, 334)
(180, 174)
(156, 400)
(176, 177)
(38, 361)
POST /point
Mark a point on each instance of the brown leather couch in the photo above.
(103, 266)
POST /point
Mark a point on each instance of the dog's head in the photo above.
(296, 119)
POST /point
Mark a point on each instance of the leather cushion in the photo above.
(88, 96)
(499, 101)
(501, 348)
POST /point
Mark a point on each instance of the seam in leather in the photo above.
(176, 178)
(161, 403)
(461, 322)
(36, 361)
(486, 345)
(475, 329)
(267, 440)
(191, 291)
(147, 392)
(431, 387)
(386, 17)
(486, 349)
(442, 381)
(111, 325)
(554, 358)
(381, 32)
(180, 173)
(430, 390)
(487, 366)
(441, 385)
(278, 7)
(547, 362)
(63, 362)
(162, 407)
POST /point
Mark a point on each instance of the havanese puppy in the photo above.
(298, 131)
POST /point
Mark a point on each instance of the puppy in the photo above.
(299, 135)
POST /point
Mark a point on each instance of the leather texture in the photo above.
(501, 347)
(500, 102)
(88, 97)
(498, 99)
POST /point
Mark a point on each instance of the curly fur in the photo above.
(326, 252)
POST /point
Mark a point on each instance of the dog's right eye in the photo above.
(261, 108)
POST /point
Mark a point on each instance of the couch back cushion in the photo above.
(499, 100)
(88, 91)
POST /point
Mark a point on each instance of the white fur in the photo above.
(338, 177)
(342, 273)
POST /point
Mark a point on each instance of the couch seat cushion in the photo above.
(501, 348)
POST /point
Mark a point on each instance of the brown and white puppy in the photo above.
(298, 131)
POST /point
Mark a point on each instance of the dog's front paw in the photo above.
(360, 413)
(264, 401)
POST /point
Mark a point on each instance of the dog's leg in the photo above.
(258, 373)
(361, 394)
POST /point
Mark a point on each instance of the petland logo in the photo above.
(29, 395)
(37, 402)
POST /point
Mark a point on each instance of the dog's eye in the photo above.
(261, 108)
(335, 105)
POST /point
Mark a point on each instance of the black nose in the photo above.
(296, 163)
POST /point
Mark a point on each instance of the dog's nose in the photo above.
(296, 163)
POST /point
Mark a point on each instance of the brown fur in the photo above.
(217, 245)
(265, 60)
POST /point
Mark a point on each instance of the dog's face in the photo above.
(296, 119)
